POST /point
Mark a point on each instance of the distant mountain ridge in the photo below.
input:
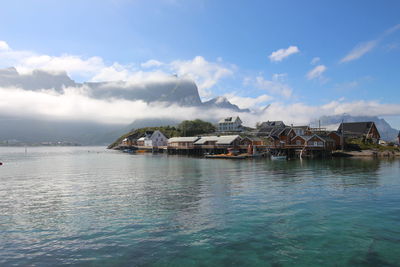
(223, 102)
(386, 131)
(172, 90)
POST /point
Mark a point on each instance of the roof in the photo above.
(253, 138)
(272, 123)
(183, 139)
(304, 127)
(270, 126)
(359, 128)
(229, 119)
(220, 140)
(141, 139)
(273, 137)
(308, 137)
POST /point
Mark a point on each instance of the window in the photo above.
(298, 142)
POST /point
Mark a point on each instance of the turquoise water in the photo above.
(89, 206)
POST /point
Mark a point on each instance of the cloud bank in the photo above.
(205, 73)
(76, 104)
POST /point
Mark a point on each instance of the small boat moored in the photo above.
(278, 157)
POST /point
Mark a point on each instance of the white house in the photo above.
(230, 124)
(155, 138)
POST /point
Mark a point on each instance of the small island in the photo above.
(230, 139)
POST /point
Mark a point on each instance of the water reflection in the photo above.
(73, 207)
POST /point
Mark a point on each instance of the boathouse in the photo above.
(223, 141)
(182, 142)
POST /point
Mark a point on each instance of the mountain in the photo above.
(223, 102)
(172, 89)
(36, 80)
(168, 90)
(386, 131)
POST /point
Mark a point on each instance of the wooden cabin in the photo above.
(251, 140)
(314, 142)
(218, 141)
(182, 142)
(365, 130)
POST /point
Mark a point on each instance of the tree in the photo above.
(195, 127)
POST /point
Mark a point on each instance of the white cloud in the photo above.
(248, 102)
(359, 51)
(365, 47)
(76, 104)
(115, 72)
(315, 60)
(281, 54)
(316, 72)
(151, 63)
(205, 73)
(4, 45)
(275, 87)
(280, 77)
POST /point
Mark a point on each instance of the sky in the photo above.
(302, 56)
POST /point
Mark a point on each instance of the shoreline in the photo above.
(367, 153)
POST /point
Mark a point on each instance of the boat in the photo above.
(278, 157)
(129, 150)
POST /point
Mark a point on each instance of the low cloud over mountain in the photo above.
(55, 97)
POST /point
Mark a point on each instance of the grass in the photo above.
(365, 145)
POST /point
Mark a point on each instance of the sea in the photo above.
(89, 206)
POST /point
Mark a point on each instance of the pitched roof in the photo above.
(266, 128)
(308, 137)
(183, 139)
(229, 119)
(272, 123)
(220, 140)
(253, 138)
(358, 128)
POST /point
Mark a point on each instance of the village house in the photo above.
(182, 142)
(222, 141)
(269, 127)
(153, 139)
(230, 124)
(129, 141)
(314, 142)
(360, 130)
(140, 141)
(301, 130)
(251, 140)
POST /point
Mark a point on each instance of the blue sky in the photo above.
(355, 45)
